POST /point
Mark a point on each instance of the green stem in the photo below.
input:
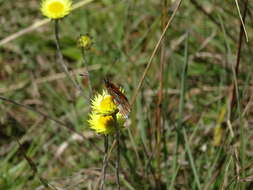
(105, 162)
(60, 58)
(118, 151)
(181, 129)
(88, 75)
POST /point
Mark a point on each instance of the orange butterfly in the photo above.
(119, 98)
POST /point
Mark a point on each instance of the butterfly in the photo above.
(118, 97)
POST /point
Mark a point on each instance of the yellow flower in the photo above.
(105, 124)
(56, 9)
(103, 104)
(102, 124)
(101, 117)
(85, 42)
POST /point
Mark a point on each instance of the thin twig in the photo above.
(117, 165)
(147, 68)
(88, 74)
(238, 57)
(181, 128)
(236, 176)
(61, 61)
(241, 19)
(216, 174)
(105, 162)
(159, 117)
(36, 111)
(33, 166)
(68, 127)
(50, 78)
(154, 53)
(37, 25)
(118, 159)
(210, 16)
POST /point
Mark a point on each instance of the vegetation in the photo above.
(186, 69)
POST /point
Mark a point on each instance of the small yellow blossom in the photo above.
(105, 124)
(102, 124)
(101, 117)
(84, 41)
(56, 9)
(104, 104)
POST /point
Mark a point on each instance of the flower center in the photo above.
(84, 41)
(55, 7)
(107, 121)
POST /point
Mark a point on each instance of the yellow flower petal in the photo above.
(85, 42)
(104, 104)
(102, 124)
(101, 118)
(56, 9)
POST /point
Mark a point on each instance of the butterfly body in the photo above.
(119, 98)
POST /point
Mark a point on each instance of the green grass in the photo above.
(125, 34)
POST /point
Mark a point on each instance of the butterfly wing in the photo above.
(119, 98)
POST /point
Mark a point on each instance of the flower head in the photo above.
(102, 118)
(102, 124)
(105, 124)
(84, 41)
(103, 104)
(56, 9)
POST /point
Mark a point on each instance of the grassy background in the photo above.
(203, 142)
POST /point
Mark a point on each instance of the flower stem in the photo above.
(60, 58)
(105, 162)
(118, 151)
(88, 75)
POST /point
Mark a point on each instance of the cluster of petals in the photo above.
(85, 42)
(56, 9)
(101, 117)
